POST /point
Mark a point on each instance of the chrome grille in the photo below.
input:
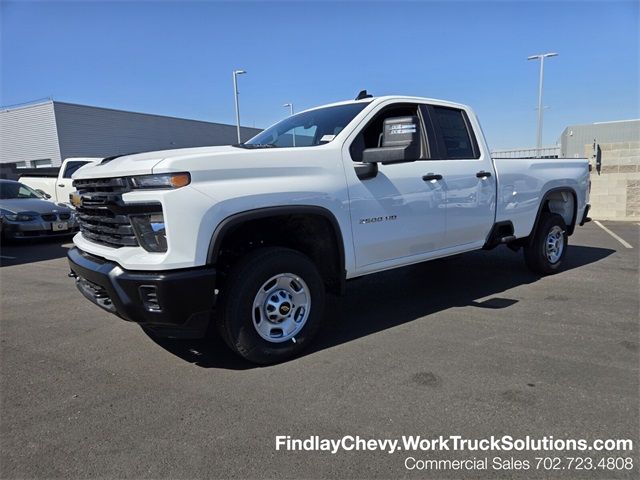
(102, 215)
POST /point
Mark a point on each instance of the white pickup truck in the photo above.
(57, 187)
(249, 237)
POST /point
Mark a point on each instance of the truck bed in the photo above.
(522, 182)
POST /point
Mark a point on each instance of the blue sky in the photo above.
(176, 58)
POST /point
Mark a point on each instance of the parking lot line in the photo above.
(621, 240)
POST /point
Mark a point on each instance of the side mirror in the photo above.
(400, 142)
(43, 193)
(366, 171)
(598, 159)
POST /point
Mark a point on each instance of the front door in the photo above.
(395, 214)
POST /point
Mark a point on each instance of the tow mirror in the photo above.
(598, 159)
(400, 142)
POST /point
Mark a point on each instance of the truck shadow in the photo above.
(385, 300)
(21, 252)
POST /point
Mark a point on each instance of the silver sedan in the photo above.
(25, 213)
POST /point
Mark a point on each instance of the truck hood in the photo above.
(143, 163)
(19, 205)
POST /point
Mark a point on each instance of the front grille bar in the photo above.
(103, 216)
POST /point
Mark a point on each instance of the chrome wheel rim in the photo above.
(554, 245)
(281, 308)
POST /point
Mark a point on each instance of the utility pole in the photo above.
(541, 57)
(235, 96)
(290, 105)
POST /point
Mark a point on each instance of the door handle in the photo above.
(431, 176)
(483, 174)
(61, 184)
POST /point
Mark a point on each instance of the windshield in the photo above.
(307, 129)
(11, 190)
(73, 167)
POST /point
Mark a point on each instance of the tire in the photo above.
(259, 319)
(546, 251)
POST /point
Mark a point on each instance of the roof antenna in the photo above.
(363, 94)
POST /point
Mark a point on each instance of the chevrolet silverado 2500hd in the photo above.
(250, 236)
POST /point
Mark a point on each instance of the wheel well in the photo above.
(563, 202)
(313, 234)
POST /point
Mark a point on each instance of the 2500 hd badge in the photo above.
(386, 218)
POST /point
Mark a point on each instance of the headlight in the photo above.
(150, 231)
(164, 180)
(19, 217)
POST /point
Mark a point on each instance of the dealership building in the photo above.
(43, 134)
(615, 189)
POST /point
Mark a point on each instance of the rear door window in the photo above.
(455, 139)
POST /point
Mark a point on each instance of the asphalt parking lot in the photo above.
(474, 345)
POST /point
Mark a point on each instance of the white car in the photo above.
(58, 187)
(250, 236)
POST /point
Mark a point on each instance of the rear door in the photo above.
(468, 176)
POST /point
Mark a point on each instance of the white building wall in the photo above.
(615, 193)
(29, 133)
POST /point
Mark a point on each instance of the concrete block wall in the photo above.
(615, 193)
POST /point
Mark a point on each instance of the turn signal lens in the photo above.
(180, 180)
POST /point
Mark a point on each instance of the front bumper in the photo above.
(36, 228)
(175, 303)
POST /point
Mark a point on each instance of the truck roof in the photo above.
(402, 98)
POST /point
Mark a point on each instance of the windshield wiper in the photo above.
(256, 145)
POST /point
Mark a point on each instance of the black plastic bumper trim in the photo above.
(186, 295)
(585, 217)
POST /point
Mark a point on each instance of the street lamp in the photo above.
(290, 105)
(235, 96)
(540, 56)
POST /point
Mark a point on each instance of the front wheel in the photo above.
(545, 252)
(272, 305)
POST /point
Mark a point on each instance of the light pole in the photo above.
(540, 56)
(290, 105)
(235, 96)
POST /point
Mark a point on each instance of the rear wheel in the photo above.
(272, 305)
(545, 252)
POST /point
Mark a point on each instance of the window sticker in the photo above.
(402, 128)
